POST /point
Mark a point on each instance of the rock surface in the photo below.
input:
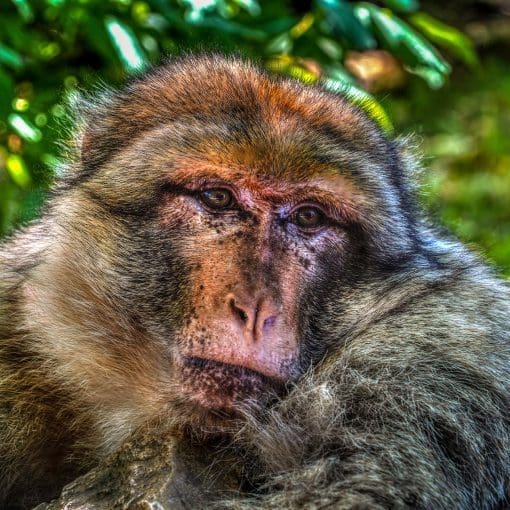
(149, 473)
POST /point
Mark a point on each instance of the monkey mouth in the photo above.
(221, 386)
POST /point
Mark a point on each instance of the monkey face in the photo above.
(251, 244)
(230, 251)
(209, 224)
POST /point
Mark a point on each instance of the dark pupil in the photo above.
(308, 217)
(217, 198)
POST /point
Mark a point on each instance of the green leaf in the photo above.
(231, 27)
(169, 11)
(362, 99)
(126, 44)
(341, 22)
(279, 25)
(403, 5)
(290, 66)
(10, 58)
(51, 161)
(98, 39)
(24, 128)
(362, 12)
(24, 9)
(405, 43)
(434, 79)
(252, 6)
(280, 44)
(447, 36)
(301, 74)
(196, 10)
(330, 47)
(18, 171)
(339, 73)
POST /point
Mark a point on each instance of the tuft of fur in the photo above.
(403, 395)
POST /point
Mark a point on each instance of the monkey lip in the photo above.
(217, 385)
(236, 370)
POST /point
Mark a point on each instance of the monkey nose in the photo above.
(256, 316)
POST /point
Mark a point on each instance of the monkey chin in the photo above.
(218, 395)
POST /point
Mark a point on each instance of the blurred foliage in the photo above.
(465, 137)
(51, 48)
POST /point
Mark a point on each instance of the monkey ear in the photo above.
(88, 114)
(90, 144)
(86, 142)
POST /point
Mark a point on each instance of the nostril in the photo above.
(238, 311)
(268, 323)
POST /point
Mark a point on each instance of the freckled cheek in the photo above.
(294, 257)
(216, 271)
(202, 231)
(306, 257)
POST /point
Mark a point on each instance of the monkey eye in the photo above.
(217, 198)
(308, 218)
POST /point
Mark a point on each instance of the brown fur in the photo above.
(391, 339)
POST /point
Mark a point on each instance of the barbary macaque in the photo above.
(241, 256)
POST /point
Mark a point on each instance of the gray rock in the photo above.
(151, 473)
